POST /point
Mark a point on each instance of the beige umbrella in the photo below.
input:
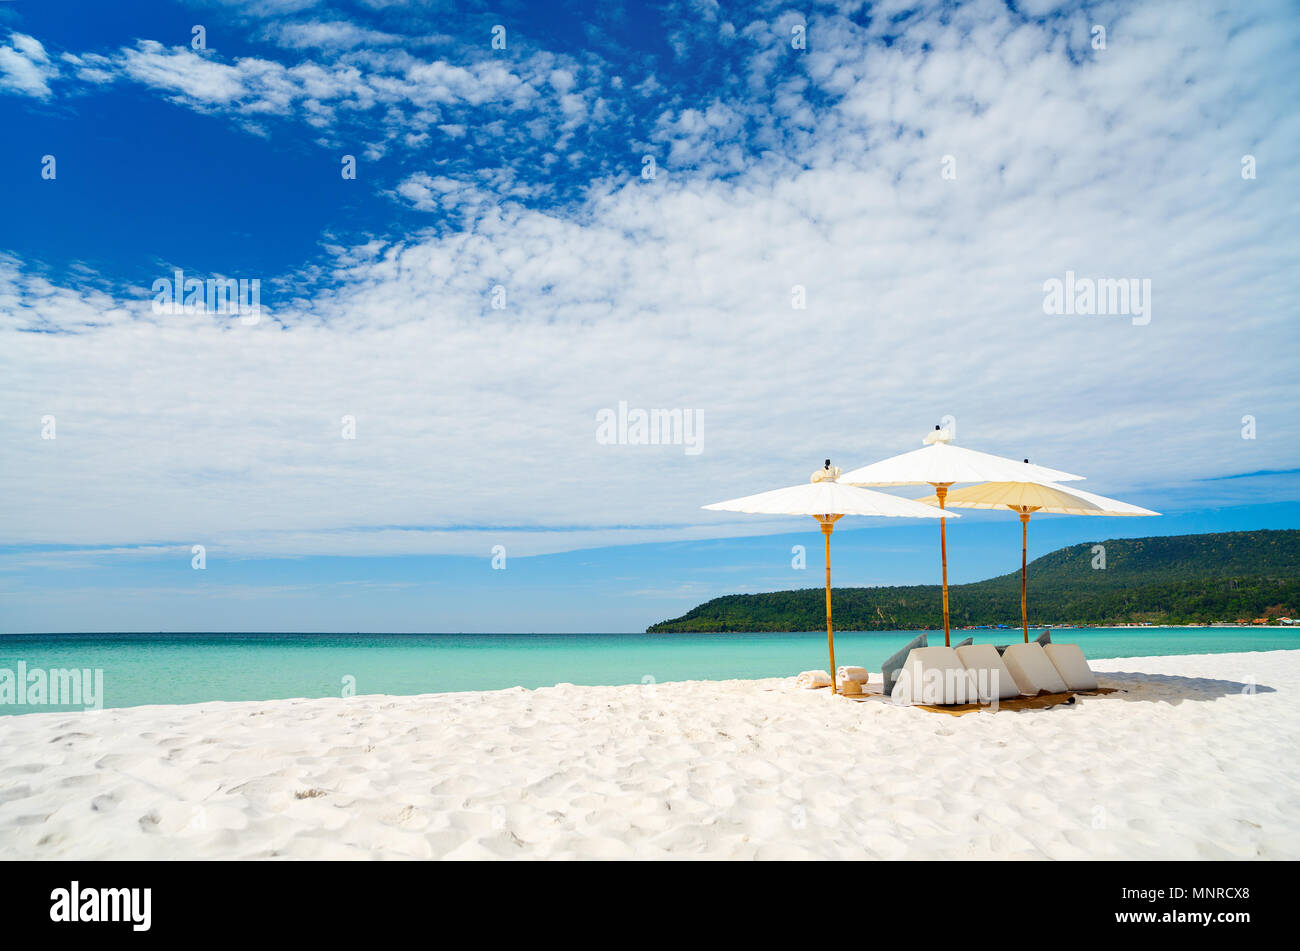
(828, 501)
(1025, 498)
(941, 464)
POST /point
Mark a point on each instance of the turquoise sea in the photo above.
(189, 668)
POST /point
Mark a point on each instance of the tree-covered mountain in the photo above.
(1180, 579)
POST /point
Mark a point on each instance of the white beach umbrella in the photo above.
(939, 462)
(826, 500)
(1026, 498)
(941, 465)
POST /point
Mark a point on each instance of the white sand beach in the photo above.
(1193, 758)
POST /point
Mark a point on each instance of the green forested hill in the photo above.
(1177, 579)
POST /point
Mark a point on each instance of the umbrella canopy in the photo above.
(1025, 498)
(1037, 497)
(826, 500)
(941, 464)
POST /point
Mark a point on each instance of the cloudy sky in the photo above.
(816, 229)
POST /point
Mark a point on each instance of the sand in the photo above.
(1194, 758)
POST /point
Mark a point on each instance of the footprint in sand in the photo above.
(14, 793)
(71, 782)
(71, 736)
(104, 803)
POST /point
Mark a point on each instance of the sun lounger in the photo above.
(891, 667)
(1043, 640)
(992, 679)
(1032, 670)
(1070, 663)
(933, 675)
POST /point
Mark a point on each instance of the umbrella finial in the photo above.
(1026, 462)
(938, 435)
(827, 474)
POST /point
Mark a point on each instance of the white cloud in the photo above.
(488, 187)
(185, 73)
(91, 68)
(352, 82)
(25, 67)
(339, 34)
(924, 299)
(29, 47)
(329, 35)
(267, 8)
(426, 193)
(408, 94)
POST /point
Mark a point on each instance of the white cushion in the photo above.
(1031, 669)
(992, 679)
(934, 675)
(1070, 664)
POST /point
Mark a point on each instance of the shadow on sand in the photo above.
(1170, 688)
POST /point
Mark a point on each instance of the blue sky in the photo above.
(912, 173)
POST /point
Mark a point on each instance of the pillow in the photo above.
(1070, 664)
(1045, 638)
(934, 675)
(812, 679)
(966, 643)
(992, 679)
(894, 664)
(1031, 669)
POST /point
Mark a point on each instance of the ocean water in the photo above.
(190, 668)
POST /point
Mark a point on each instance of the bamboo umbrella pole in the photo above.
(828, 526)
(941, 490)
(1024, 569)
